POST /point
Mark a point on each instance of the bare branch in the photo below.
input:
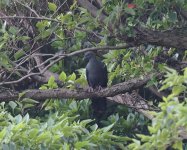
(135, 101)
(59, 8)
(85, 50)
(24, 17)
(26, 6)
(57, 58)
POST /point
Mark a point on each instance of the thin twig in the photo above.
(26, 6)
(59, 8)
(24, 17)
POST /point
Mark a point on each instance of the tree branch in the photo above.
(57, 58)
(171, 38)
(26, 6)
(24, 17)
(79, 94)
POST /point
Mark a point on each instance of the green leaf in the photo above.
(21, 94)
(45, 34)
(72, 77)
(27, 106)
(66, 146)
(51, 83)
(13, 30)
(178, 89)
(62, 76)
(178, 145)
(12, 104)
(4, 27)
(52, 6)
(73, 105)
(29, 100)
(130, 11)
(4, 60)
(106, 129)
(26, 118)
(18, 118)
(43, 137)
(85, 122)
(152, 129)
(82, 144)
(94, 127)
(41, 25)
(2, 134)
(144, 138)
(33, 132)
(19, 126)
(3, 104)
(24, 38)
(127, 56)
(43, 87)
(136, 141)
(2, 44)
(19, 54)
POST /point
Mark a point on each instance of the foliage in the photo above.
(169, 124)
(60, 27)
(57, 131)
(62, 125)
(63, 128)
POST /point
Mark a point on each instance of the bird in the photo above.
(97, 78)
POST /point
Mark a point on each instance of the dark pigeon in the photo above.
(97, 78)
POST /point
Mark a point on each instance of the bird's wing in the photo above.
(105, 74)
(87, 76)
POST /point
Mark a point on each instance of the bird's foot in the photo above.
(90, 89)
(99, 88)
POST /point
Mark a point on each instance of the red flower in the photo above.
(131, 6)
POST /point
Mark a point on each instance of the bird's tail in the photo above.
(99, 107)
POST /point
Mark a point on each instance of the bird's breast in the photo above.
(96, 74)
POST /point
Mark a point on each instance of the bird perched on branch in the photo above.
(97, 78)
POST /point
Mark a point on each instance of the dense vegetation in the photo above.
(44, 103)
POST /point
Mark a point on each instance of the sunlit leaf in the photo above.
(52, 6)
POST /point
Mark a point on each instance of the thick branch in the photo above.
(172, 38)
(79, 94)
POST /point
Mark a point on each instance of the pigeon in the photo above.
(97, 78)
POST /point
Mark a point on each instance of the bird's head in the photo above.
(88, 56)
